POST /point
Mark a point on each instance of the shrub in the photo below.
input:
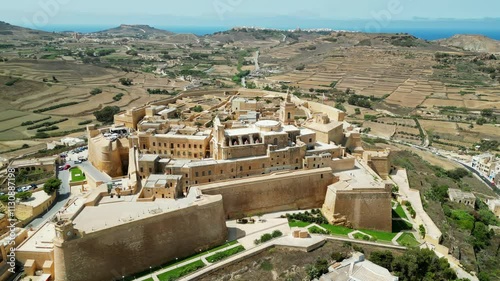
(266, 237)
(12, 82)
(85, 122)
(95, 91)
(276, 234)
(126, 81)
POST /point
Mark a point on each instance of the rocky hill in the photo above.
(127, 30)
(474, 43)
(9, 32)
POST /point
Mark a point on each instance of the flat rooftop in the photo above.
(37, 199)
(41, 240)
(102, 216)
(361, 177)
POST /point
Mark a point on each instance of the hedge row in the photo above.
(47, 124)
(55, 107)
(27, 123)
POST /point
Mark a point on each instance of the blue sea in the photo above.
(423, 33)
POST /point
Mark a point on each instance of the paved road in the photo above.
(62, 199)
(90, 170)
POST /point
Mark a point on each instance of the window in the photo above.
(209, 173)
(171, 145)
(321, 175)
(142, 170)
(154, 143)
(196, 174)
(195, 146)
(183, 145)
(164, 144)
(150, 170)
(203, 173)
(263, 166)
(241, 168)
(296, 161)
(189, 146)
(249, 167)
(289, 115)
(178, 145)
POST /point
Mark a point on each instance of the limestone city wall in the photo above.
(272, 193)
(133, 247)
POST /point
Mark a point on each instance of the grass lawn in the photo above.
(400, 212)
(77, 175)
(227, 253)
(339, 230)
(181, 271)
(192, 257)
(379, 235)
(296, 223)
(407, 239)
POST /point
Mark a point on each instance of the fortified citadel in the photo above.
(183, 166)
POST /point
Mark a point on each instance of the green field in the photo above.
(296, 223)
(400, 212)
(407, 239)
(339, 230)
(380, 235)
(181, 271)
(77, 175)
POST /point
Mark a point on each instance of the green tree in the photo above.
(107, 114)
(422, 264)
(24, 195)
(126, 81)
(52, 185)
(382, 258)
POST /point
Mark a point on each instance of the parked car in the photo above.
(78, 162)
(242, 221)
(67, 166)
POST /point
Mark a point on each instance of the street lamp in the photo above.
(150, 272)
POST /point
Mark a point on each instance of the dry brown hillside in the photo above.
(475, 43)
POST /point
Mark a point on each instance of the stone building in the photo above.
(163, 186)
(46, 164)
(459, 196)
(494, 206)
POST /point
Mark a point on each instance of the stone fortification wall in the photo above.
(133, 247)
(361, 208)
(275, 192)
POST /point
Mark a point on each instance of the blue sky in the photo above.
(237, 12)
